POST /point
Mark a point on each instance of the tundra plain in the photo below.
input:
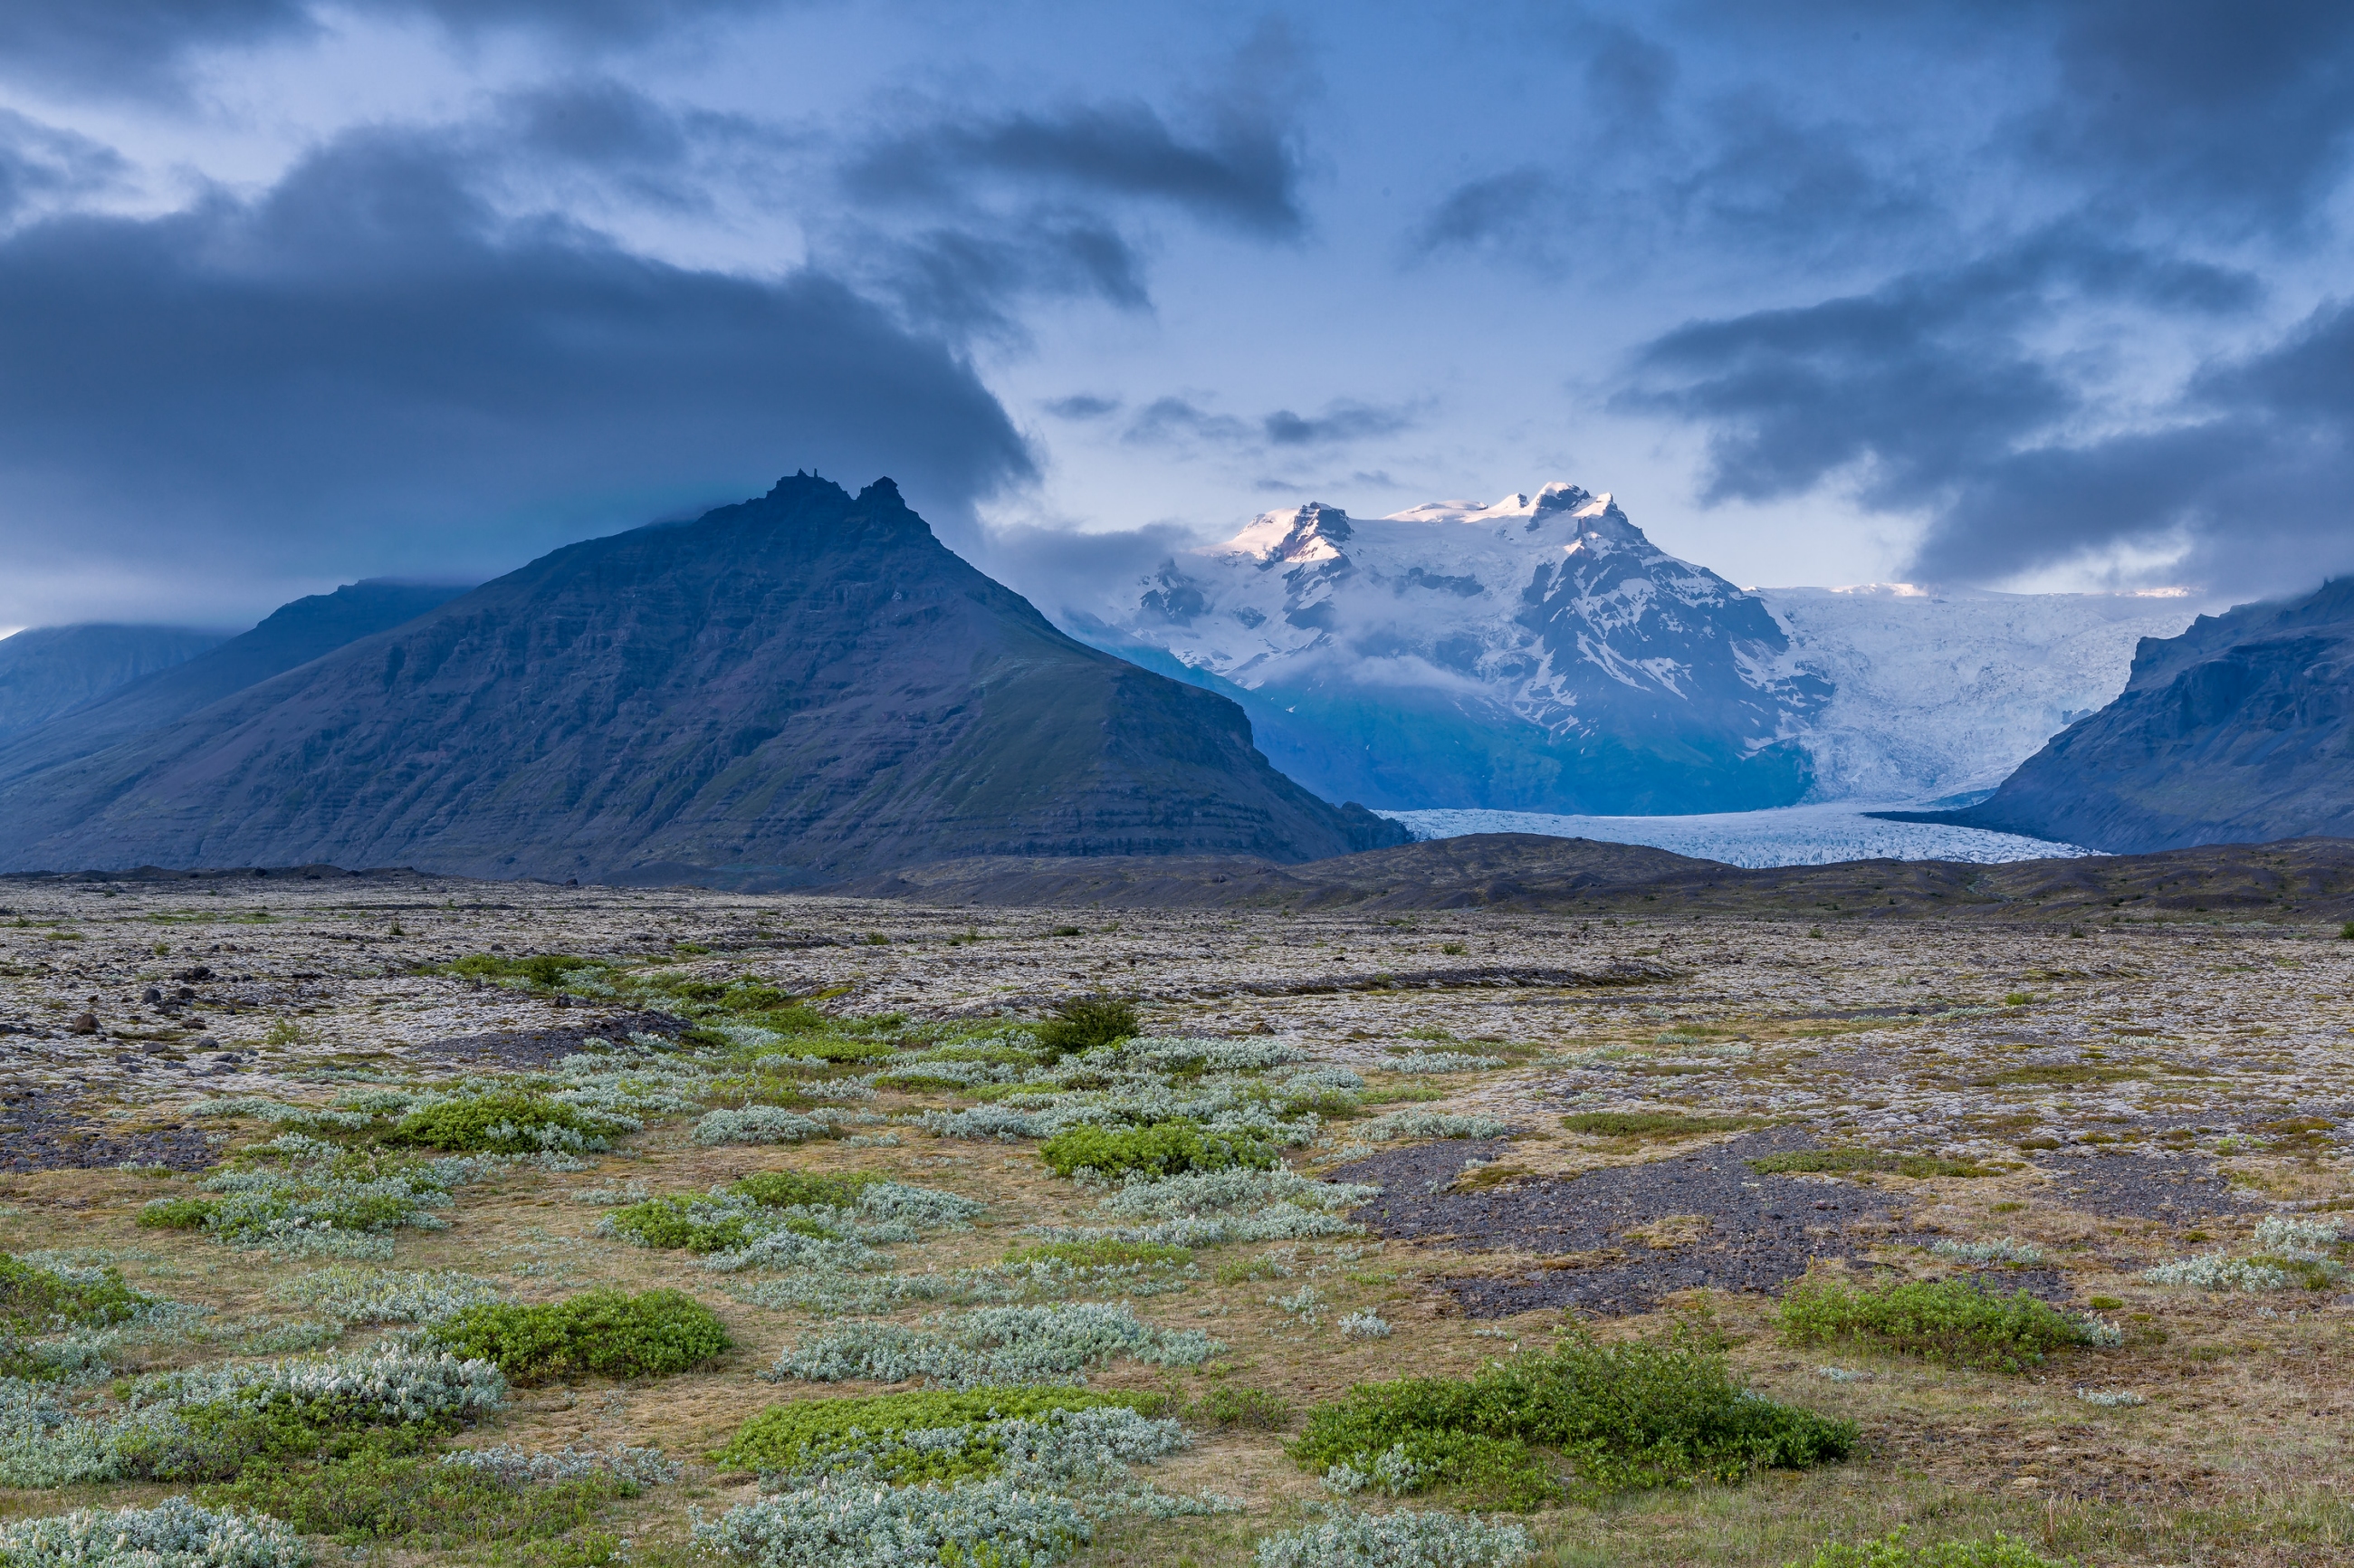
(2028, 1104)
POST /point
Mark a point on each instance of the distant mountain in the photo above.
(789, 692)
(1540, 654)
(2239, 731)
(1938, 692)
(293, 634)
(46, 671)
(1536, 654)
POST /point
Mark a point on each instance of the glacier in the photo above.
(1818, 834)
(1937, 693)
(1539, 653)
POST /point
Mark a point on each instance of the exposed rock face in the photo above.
(790, 691)
(293, 634)
(2239, 731)
(46, 671)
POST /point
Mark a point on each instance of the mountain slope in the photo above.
(783, 692)
(291, 635)
(1537, 654)
(2239, 731)
(46, 671)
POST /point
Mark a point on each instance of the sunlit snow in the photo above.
(1793, 835)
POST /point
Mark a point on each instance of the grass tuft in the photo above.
(1845, 1162)
(1651, 1124)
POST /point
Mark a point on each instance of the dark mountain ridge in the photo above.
(797, 689)
(47, 671)
(2239, 731)
(290, 636)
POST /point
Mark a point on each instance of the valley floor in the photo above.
(1637, 1130)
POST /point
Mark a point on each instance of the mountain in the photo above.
(293, 634)
(1540, 654)
(1938, 692)
(1535, 654)
(46, 671)
(801, 688)
(2239, 731)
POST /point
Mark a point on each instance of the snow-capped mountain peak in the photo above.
(1545, 615)
(1292, 536)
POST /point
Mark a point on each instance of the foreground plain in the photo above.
(2047, 1107)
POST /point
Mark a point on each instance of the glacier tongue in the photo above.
(1939, 693)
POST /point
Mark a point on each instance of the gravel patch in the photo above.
(1748, 1232)
(40, 1133)
(2144, 1187)
(544, 1047)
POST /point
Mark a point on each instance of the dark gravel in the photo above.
(2175, 1187)
(544, 1047)
(39, 1131)
(1764, 1230)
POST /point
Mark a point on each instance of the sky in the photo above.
(2046, 296)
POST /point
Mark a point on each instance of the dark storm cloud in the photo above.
(2252, 478)
(2242, 109)
(1931, 397)
(369, 364)
(39, 163)
(1516, 215)
(1342, 421)
(1244, 174)
(133, 47)
(1180, 421)
(1912, 386)
(967, 279)
(1082, 406)
(128, 44)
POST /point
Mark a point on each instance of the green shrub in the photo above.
(177, 1213)
(1163, 1149)
(509, 1122)
(797, 1189)
(599, 1332)
(1100, 1254)
(380, 1492)
(797, 1436)
(542, 969)
(672, 1222)
(1651, 1124)
(1085, 1023)
(1622, 1416)
(1891, 1552)
(1843, 1161)
(1949, 1320)
(1224, 1406)
(41, 1300)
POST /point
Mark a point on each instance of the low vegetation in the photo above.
(935, 1435)
(1850, 1161)
(598, 1334)
(1619, 1417)
(1954, 1322)
(1896, 1552)
(1651, 1124)
(1085, 1023)
(1163, 1149)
